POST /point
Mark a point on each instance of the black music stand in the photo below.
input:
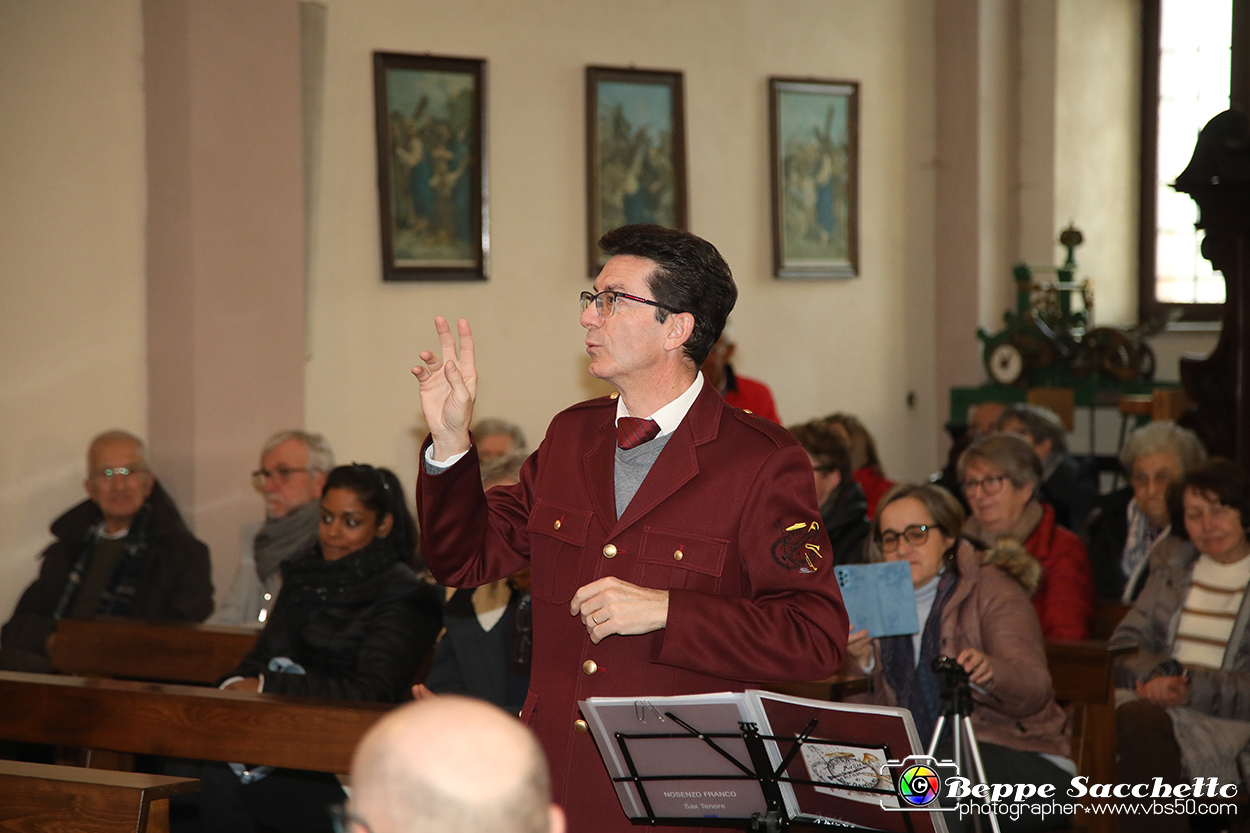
(757, 761)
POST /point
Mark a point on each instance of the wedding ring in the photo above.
(593, 619)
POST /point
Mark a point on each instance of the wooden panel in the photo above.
(166, 651)
(1060, 400)
(1081, 671)
(183, 721)
(45, 797)
(1107, 617)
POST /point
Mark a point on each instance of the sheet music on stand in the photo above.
(688, 759)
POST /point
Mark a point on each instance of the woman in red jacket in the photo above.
(999, 474)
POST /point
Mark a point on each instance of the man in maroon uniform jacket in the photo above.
(677, 554)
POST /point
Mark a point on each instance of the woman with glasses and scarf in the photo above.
(978, 614)
(999, 475)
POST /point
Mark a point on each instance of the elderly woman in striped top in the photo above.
(1184, 698)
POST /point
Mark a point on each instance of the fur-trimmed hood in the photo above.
(1011, 557)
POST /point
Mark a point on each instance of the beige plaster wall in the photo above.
(71, 257)
(859, 345)
(1098, 60)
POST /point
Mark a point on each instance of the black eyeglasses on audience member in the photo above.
(916, 535)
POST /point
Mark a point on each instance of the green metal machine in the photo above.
(1049, 341)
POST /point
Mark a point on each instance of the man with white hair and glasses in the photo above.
(125, 551)
(292, 473)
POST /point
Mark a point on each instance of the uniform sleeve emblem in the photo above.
(797, 545)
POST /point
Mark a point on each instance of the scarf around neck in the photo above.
(1019, 531)
(119, 593)
(917, 687)
(310, 578)
(285, 537)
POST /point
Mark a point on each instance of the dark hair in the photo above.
(689, 276)
(1218, 477)
(825, 446)
(858, 434)
(379, 490)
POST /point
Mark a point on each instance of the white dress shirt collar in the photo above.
(671, 415)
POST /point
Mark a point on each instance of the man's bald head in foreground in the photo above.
(453, 765)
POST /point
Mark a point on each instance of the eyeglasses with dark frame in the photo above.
(989, 485)
(915, 535)
(343, 820)
(605, 302)
(282, 474)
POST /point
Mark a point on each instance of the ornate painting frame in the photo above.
(432, 167)
(814, 164)
(635, 152)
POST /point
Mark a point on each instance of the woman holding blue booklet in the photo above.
(979, 614)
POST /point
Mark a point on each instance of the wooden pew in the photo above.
(1082, 672)
(1106, 617)
(183, 721)
(45, 797)
(175, 652)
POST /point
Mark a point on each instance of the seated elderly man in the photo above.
(452, 765)
(123, 552)
(292, 473)
(1126, 524)
(498, 438)
(1065, 485)
(843, 507)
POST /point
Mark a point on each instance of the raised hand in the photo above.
(448, 389)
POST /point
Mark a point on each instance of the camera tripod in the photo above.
(957, 703)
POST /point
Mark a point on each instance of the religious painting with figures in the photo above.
(431, 167)
(814, 162)
(635, 152)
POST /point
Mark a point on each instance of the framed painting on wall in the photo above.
(635, 152)
(815, 177)
(432, 172)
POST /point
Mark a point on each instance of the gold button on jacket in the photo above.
(609, 550)
(581, 727)
(590, 666)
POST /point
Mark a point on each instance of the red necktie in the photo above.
(632, 432)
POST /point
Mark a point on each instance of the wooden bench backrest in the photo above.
(46, 797)
(165, 651)
(1082, 673)
(183, 721)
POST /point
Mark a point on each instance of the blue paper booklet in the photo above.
(879, 597)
